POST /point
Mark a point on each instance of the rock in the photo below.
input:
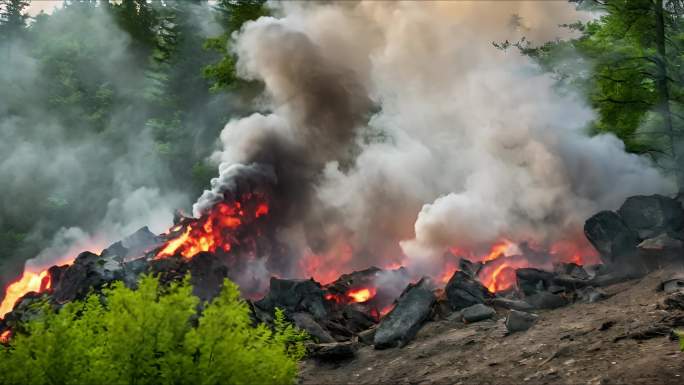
(306, 322)
(590, 294)
(546, 300)
(661, 250)
(366, 337)
(477, 312)
(651, 215)
(335, 351)
(673, 284)
(571, 269)
(611, 237)
(531, 281)
(507, 303)
(518, 321)
(295, 295)
(401, 324)
(207, 274)
(661, 243)
(463, 291)
(134, 245)
(141, 242)
(357, 317)
(89, 271)
(469, 267)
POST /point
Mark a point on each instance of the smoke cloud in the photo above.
(400, 129)
(77, 173)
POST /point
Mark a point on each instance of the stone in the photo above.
(518, 321)
(89, 271)
(462, 291)
(651, 215)
(673, 284)
(477, 312)
(469, 267)
(611, 237)
(366, 337)
(401, 324)
(661, 250)
(295, 295)
(532, 281)
(306, 322)
(508, 303)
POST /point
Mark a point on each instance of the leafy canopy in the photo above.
(153, 335)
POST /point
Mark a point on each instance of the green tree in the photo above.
(629, 67)
(153, 335)
(232, 14)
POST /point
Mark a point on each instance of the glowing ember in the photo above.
(361, 295)
(29, 281)
(5, 336)
(215, 230)
(499, 275)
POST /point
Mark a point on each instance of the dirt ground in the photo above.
(570, 345)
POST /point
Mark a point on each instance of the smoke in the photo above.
(400, 129)
(81, 166)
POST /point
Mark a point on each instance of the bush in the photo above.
(152, 336)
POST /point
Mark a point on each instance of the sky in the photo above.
(43, 5)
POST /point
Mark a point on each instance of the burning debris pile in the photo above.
(380, 307)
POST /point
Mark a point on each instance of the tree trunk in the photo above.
(664, 93)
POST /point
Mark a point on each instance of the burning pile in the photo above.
(380, 307)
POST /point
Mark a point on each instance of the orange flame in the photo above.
(28, 282)
(503, 247)
(5, 336)
(213, 231)
(361, 295)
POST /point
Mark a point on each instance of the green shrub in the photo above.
(152, 336)
(680, 337)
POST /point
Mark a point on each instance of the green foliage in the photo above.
(680, 338)
(232, 15)
(152, 335)
(629, 69)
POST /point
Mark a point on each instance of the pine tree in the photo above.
(13, 17)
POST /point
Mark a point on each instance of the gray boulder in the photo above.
(477, 312)
(413, 308)
(306, 322)
(651, 215)
(612, 238)
(462, 291)
(295, 295)
(518, 321)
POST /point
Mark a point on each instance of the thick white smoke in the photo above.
(467, 143)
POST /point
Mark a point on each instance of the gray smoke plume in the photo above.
(466, 144)
(73, 178)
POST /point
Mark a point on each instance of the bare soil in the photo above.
(571, 345)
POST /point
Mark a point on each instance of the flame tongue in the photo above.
(217, 230)
(361, 295)
(29, 282)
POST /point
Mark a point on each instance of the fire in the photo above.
(5, 336)
(215, 230)
(361, 295)
(29, 281)
(501, 248)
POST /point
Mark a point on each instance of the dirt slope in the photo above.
(571, 345)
